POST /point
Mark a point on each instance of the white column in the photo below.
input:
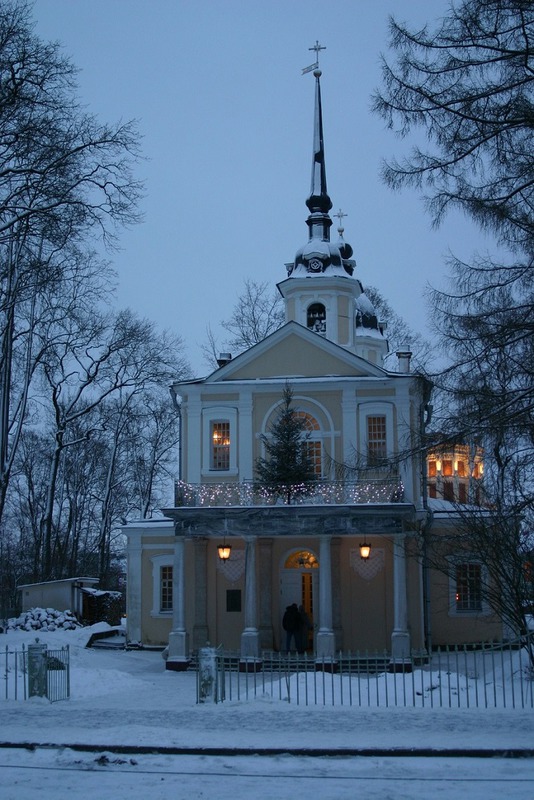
(325, 645)
(200, 627)
(133, 590)
(246, 437)
(265, 614)
(178, 658)
(349, 425)
(191, 444)
(400, 638)
(250, 638)
(404, 426)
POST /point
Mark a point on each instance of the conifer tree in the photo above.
(287, 470)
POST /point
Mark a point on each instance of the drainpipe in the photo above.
(426, 525)
(178, 406)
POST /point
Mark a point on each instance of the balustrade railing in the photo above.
(247, 493)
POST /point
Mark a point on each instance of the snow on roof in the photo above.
(447, 508)
(100, 592)
(60, 580)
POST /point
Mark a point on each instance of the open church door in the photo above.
(299, 583)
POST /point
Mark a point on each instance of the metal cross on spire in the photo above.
(317, 47)
(340, 214)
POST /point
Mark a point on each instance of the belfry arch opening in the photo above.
(316, 318)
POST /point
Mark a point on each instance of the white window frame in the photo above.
(454, 611)
(325, 435)
(209, 416)
(164, 560)
(366, 410)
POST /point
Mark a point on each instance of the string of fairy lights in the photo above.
(246, 493)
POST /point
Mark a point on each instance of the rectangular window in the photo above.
(448, 491)
(468, 587)
(461, 469)
(376, 441)
(165, 583)
(431, 469)
(233, 600)
(447, 468)
(220, 445)
(432, 490)
(313, 452)
(462, 493)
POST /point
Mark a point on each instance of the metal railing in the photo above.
(15, 673)
(468, 676)
(38, 672)
(246, 493)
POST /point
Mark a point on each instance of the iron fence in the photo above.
(499, 676)
(43, 672)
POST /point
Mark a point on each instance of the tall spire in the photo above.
(320, 256)
(319, 201)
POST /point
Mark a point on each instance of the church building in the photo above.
(226, 560)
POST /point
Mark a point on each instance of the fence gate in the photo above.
(35, 671)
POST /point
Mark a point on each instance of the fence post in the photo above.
(37, 670)
(207, 674)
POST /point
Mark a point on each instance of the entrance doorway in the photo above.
(299, 583)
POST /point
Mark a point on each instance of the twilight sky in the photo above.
(226, 119)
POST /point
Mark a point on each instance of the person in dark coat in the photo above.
(291, 623)
(305, 627)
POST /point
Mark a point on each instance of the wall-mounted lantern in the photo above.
(365, 551)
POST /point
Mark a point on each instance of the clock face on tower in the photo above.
(315, 265)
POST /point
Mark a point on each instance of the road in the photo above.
(51, 773)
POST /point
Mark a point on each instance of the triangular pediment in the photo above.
(294, 351)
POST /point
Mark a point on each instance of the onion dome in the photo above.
(365, 314)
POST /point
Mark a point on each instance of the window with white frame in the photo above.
(312, 441)
(220, 445)
(468, 595)
(466, 581)
(162, 584)
(376, 440)
(219, 437)
(375, 430)
(165, 583)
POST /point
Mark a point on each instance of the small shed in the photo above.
(62, 595)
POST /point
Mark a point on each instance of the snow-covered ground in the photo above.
(128, 698)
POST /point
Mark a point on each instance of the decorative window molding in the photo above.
(467, 578)
(376, 432)
(219, 441)
(318, 428)
(162, 577)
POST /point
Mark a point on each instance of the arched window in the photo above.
(312, 442)
(316, 318)
(302, 559)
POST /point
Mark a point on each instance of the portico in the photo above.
(317, 528)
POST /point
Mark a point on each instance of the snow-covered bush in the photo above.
(43, 619)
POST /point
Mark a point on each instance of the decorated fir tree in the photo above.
(287, 469)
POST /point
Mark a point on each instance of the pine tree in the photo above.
(287, 470)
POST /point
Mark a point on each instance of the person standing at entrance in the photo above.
(291, 623)
(305, 627)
